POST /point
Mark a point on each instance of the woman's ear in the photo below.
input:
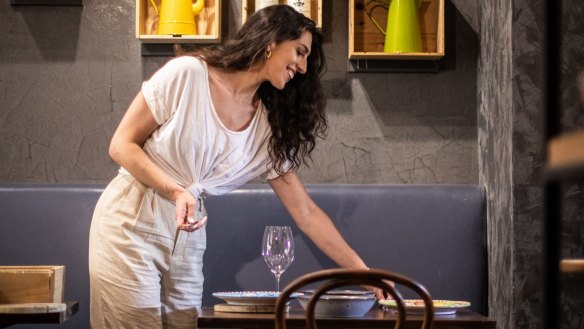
(268, 53)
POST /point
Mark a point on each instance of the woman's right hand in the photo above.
(136, 127)
(186, 208)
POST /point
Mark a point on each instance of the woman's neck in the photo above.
(241, 86)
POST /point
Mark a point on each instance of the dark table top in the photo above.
(376, 318)
(9, 319)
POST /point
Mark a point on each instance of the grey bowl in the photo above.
(345, 292)
(340, 306)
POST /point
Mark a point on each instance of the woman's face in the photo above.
(288, 59)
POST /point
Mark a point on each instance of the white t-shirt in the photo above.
(192, 145)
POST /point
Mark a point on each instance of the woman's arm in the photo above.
(126, 149)
(314, 222)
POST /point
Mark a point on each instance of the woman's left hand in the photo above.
(380, 294)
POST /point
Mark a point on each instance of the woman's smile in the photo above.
(291, 73)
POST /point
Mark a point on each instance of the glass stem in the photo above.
(277, 281)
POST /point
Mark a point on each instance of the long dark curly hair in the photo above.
(295, 113)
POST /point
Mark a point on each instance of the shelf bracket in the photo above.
(392, 66)
(157, 49)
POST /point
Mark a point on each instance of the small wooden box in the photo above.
(31, 284)
(366, 41)
(566, 149)
(248, 8)
(208, 23)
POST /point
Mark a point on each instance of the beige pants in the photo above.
(144, 273)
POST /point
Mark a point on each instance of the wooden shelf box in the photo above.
(565, 157)
(208, 23)
(572, 265)
(248, 8)
(566, 150)
(31, 284)
(366, 41)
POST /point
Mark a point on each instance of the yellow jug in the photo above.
(402, 34)
(177, 17)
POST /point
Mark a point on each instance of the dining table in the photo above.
(375, 318)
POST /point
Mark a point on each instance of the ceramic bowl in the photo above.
(340, 305)
(345, 292)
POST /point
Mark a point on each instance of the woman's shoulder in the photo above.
(187, 62)
(183, 67)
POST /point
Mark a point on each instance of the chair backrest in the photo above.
(335, 278)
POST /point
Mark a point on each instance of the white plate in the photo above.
(250, 297)
(416, 306)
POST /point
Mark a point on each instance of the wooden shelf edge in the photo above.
(565, 157)
(441, 28)
(385, 56)
(572, 265)
(150, 38)
(566, 150)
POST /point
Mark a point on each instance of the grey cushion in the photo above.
(434, 233)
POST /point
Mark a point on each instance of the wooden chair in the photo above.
(341, 277)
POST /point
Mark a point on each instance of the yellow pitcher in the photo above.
(402, 34)
(177, 17)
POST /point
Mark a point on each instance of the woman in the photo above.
(205, 124)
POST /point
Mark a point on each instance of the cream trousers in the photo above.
(144, 273)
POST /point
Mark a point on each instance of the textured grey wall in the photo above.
(572, 224)
(511, 157)
(495, 152)
(67, 74)
(469, 9)
(528, 159)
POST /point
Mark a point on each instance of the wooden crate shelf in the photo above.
(248, 8)
(566, 150)
(31, 284)
(565, 157)
(208, 23)
(572, 265)
(366, 41)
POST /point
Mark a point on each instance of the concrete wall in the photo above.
(511, 157)
(67, 75)
(495, 152)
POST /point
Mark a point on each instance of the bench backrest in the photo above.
(435, 234)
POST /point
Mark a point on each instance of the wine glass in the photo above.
(278, 250)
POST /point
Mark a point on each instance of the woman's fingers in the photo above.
(199, 224)
(193, 225)
(185, 211)
(381, 294)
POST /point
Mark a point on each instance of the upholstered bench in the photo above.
(435, 234)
